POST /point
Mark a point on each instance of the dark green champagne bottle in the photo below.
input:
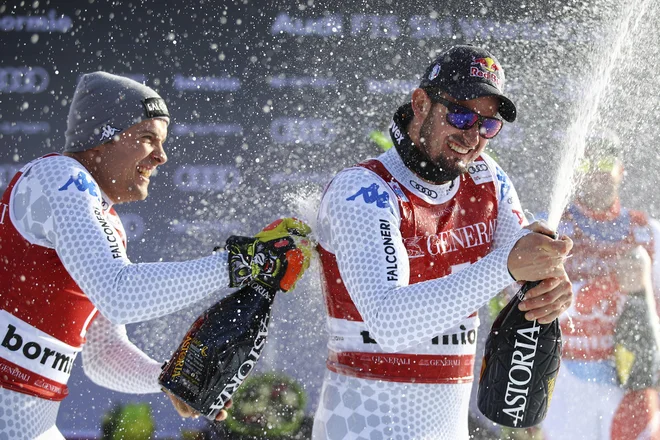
(220, 350)
(520, 366)
(636, 345)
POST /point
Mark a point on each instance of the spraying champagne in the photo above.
(521, 357)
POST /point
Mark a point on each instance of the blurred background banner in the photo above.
(271, 98)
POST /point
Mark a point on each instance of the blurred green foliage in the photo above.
(131, 421)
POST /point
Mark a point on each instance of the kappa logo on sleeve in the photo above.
(370, 195)
(82, 184)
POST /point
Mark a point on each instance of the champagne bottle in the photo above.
(220, 350)
(636, 342)
(520, 366)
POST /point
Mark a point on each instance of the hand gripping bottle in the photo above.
(520, 366)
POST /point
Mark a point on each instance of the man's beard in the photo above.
(447, 170)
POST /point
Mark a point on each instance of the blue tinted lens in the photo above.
(490, 127)
(462, 121)
(463, 118)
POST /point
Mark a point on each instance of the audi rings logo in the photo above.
(203, 178)
(477, 167)
(480, 174)
(424, 190)
(302, 131)
(23, 79)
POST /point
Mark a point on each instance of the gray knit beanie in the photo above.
(104, 105)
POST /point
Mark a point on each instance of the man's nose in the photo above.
(471, 135)
(159, 154)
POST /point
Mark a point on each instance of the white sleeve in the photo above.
(510, 217)
(357, 207)
(112, 361)
(49, 210)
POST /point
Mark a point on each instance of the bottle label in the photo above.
(220, 350)
(520, 373)
(244, 370)
(190, 363)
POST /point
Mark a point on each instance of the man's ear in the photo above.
(421, 103)
(92, 156)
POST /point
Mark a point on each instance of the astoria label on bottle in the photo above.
(220, 350)
(520, 366)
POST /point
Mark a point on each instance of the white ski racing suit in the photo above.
(67, 282)
(405, 266)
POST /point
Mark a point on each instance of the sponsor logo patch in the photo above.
(521, 373)
(155, 107)
(243, 371)
(435, 72)
(399, 192)
(391, 265)
(504, 183)
(108, 132)
(424, 190)
(466, 237)
(82, 184)
(396, 132)
(33, 353)
(480, 173)
(371, 195)
(487, 69)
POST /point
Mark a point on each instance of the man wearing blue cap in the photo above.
(67, 281)
(412, 243)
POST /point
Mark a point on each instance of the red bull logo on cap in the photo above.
(487, 63)
(486, 68)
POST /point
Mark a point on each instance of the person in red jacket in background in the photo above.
(615, 258)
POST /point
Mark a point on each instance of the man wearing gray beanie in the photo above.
(106, 110)
(67, 279)
(105, 105)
